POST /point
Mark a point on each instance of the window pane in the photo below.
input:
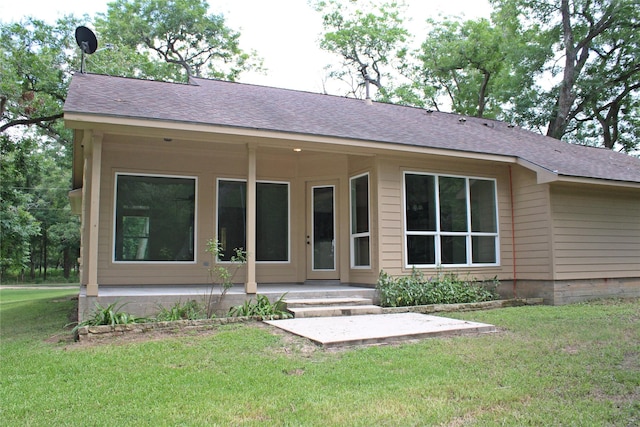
(361, 251)
(421, 250)
(453, 204)
(453, 249)
(135, 230)
(323, 229)
(483, 249)
(231, 217)
(272, 222)
(483, 209)
(154, 218)
(360, 205)
(421, 207)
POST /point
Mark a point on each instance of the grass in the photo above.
(571, 365)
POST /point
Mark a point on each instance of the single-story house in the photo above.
(326, 188)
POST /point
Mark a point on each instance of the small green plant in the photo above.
(110, 315)
(221, 274)
(443, 288)
(190, 310)
(262, 308)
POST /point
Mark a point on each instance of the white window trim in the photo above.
(288, 184)
(353, 235)
(195, 219)
(437, 233)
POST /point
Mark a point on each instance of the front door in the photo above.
(322, 232)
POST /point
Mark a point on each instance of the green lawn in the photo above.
(572, 365)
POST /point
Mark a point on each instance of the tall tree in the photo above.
(368, 37)
(17, 224)
(594, 67)
(34, 72)
(179, 33)
(469, 63)
(38, 60)
(34, 75)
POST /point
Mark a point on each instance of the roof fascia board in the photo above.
(597, 181)
(202, 132)
(543, 175)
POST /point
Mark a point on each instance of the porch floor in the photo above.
(299, 290)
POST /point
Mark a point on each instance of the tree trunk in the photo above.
(566, 97)
(44, 252)
(482, 101)
(32, 266)
(66, 263)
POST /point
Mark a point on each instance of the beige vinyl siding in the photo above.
(390, 213)
(596, 232)
(532, 226)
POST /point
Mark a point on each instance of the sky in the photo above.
(284, 33)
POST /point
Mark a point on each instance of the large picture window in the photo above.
(272, 219)
(450, 220)
(154, 218)
(360, 234)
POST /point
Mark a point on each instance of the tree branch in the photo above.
(32, 121)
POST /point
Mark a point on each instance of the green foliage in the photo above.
(33, 76)
(110, 315)
(262, 308)
(36, 148)
(443, 288)
(474, 65)
(570, 68)
(188, 41)
(38, 59)
(591, 73)
(370, 39)
(190, 310)
(222, 273)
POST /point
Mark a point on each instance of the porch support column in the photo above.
(93, 162)
(251, 287)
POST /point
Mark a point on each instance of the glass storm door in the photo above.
(321, 233)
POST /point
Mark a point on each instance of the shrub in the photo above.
(443, 288)
(190, 310)
(261, 308)
(110, 315)
(222, 274)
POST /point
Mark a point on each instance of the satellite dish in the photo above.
(87, 42)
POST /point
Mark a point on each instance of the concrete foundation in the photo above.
(561, 292)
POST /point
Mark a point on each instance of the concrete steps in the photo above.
(331, 307)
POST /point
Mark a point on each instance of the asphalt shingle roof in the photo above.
(214, 102)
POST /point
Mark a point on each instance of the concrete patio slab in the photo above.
(377, 328)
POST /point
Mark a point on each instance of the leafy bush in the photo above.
(109, 315)
(190, 310)
(443, 288)
(261, 308)
(222, 274)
